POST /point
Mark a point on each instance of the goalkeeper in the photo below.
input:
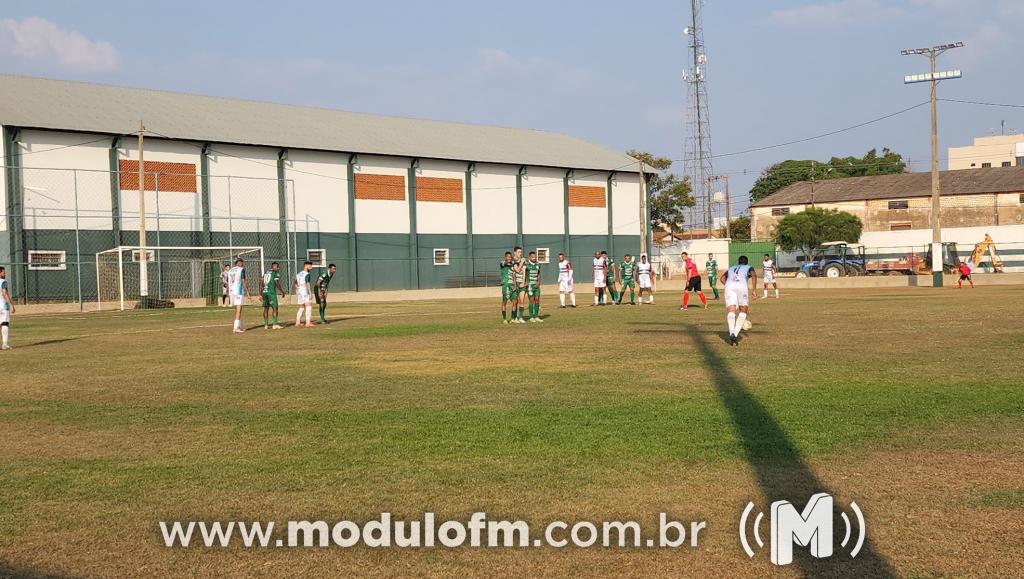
(322, 284)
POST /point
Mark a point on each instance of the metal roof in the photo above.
(77, 106)
(899, 186)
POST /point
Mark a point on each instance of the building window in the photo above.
(317, 256)
(780, 211)
(441, 257)
(900, 204)
(543, 255)
(1021, 199)
(1006, 163)
(974, 164)
(900, 226)
(986, 165)
(47, 260)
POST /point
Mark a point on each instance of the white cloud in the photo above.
(840, 13)
(547, 74)
(39, 41)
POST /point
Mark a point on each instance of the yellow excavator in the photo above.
(986, 246)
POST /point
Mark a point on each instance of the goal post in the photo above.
(190, 275)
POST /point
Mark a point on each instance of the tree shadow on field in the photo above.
(781, 472)
(15, 573)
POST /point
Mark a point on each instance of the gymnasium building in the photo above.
(397, 203)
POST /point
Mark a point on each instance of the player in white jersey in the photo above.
(737, 296)
(6, 309)
(645, 278)
(224, 286)
(769, 275)
(236, 292)
(565, 281)
(599, 277)
(304, 295)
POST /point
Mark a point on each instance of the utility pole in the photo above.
(934, 77)
(643, 210)
(711, 181)
(143, 252)
(728, 208)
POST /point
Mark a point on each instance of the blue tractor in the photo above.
(834, 259)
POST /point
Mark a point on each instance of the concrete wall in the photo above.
(993, 150)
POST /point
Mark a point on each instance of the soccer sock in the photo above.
(703, 298)
(766, 292)
(298, 317)
(632, 296)
(959, 284)
(686, 299)
(515, 313)
(732, 323)
(323, 313)
(504, 315)
(739, 322)
(561, 299)
(237, 324)
(309, 313)
(6, 331)
(572, 297)
(715, 289)
(275, 319)
(776, 292)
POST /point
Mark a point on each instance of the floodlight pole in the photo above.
(143, 257)
(643, 209)
(933, 54)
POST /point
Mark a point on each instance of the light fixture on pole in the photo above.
(934, 77)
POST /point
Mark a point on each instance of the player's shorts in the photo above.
(270, 300)
(599, 280)
(302, 298)
(5, 316)
(693, 285)
(533, 291)
(645, 282)
(236, 299)
(319, 298)
(736, 296)
(565, 285)
(965, 277)
(712, 278)
(628, 283)
(769, 277)
(508, 292)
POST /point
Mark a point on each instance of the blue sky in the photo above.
(607, 72)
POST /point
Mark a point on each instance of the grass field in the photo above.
(908, 401)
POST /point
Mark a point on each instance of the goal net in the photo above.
(174, 275)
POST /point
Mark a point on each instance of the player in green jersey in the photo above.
(711, 268)
(532, 270)
(611, 296)
(270, 287)
(628, 271)
(508, 288)
(323, 281)
(519, 279)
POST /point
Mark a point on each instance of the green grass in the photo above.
(439, 405)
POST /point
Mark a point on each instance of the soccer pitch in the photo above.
(907, 401)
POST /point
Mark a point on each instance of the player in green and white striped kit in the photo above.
(628, 271)
(532, 269)
(323, 281)
(508, 288)
(270, 287)
(711, 267)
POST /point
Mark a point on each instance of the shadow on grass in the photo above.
(781, 472)
(15, 573)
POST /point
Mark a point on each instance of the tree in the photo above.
(671, 194)
(740, 228)
(810, 228)
(784, 174)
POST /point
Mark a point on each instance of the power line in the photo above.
(981, 103)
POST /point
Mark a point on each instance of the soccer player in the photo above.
(769, 275)
(236, 292)
(6, 309)
(692, 283)
(270, 286)
(508, 288)
(965, 274)
(322, 283)
(628, 270)
(711, 269)
(224, 286)
(610, 295)
(645, 275)
(565, 282)
(737, 296)
(532, 269)
(599, 274)
(519, 279)
(304, 295)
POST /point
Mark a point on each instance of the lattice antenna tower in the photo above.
(698, 143)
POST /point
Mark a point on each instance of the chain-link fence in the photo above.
(983, 257)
